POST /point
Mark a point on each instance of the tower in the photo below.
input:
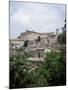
(57, 31)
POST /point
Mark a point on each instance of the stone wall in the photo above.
(48, 40)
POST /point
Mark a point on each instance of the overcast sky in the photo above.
(35, 17)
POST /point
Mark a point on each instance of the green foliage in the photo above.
(56, 68)
(56, 62)
(62, 38)
(51, 72)
(24, 73)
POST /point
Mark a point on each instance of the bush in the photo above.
(56, 68)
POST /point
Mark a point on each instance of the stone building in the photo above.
(47, 40)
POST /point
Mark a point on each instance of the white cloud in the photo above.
(37, 17)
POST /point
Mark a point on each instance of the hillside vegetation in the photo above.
(50, 72)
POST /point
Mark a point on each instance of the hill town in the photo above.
(35, 42)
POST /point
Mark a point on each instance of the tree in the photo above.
(22, 73)
(51, 72)
(62, 36)
(56, 69)
(62, 41)
(56, 62)
(18, 70)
